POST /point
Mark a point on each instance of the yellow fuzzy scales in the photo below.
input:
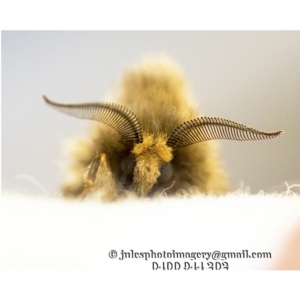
(152, 145)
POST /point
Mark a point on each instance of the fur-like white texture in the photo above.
(54, 233)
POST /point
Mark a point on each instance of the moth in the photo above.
(150, 140)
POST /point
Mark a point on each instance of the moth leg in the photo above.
(90, 175)
(99, 177)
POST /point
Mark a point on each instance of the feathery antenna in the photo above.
(116, 116)
(204, 129)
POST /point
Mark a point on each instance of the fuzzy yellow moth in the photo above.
(150, 140)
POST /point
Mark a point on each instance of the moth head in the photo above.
(150, 158)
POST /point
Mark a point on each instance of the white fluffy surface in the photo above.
(53, 233)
